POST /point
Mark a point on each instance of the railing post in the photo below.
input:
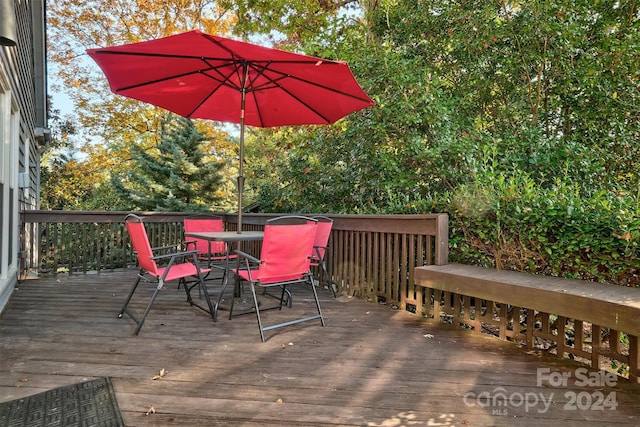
(442, 239)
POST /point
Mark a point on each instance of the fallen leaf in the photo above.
(151, 410)
(24, 380)
(161, 374)
(279, 401)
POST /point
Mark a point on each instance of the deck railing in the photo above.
(370, 256)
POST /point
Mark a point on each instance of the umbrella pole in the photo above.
(240, 172)
(241, 156)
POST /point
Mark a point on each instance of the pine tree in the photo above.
(176, 175)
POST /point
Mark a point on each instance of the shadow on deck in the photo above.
(370, 366)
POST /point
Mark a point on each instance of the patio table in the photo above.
(231, 238)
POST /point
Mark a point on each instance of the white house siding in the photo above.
(23, 132)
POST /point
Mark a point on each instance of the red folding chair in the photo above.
(320, 247)
(214, 254)
(208, 251)
(284, 261)
(175, 266)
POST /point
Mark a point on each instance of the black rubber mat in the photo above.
(91, 403)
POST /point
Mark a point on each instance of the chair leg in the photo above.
(255, 306)
(146, 311)
(131, 292)
(327, 277)
(236, 287)
(315, 297)
(202, 290)
(263, 328)
(124, 309)
(286, 298)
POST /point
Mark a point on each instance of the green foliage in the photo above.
(510, 222)
(539, 78)
(372, 156)
(519, 119)
(174, 175)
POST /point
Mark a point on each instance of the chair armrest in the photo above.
(164, 248)
(175, 254)
(316, 252)
(247, 256)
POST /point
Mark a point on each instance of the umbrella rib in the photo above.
(284, 75)
(261, 71)
(151, 82)
(237, 58)
(224, 78)
(223, 82)
(252, 91)
(161, 55)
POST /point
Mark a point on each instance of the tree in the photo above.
(174, 175)
(375, 160)
(464, 88)
(112, 124)
(74, 27)
(66, 181)
(64, 185)
(551, 84)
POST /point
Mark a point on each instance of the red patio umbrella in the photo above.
(199, 75)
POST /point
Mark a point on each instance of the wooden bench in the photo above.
(596, 320)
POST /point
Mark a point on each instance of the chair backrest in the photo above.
(285, 250)
(325, 224)
(205, 223)
(140, 242)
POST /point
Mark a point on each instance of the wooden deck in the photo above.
(370, 366)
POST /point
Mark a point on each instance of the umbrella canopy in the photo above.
(199, 75)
